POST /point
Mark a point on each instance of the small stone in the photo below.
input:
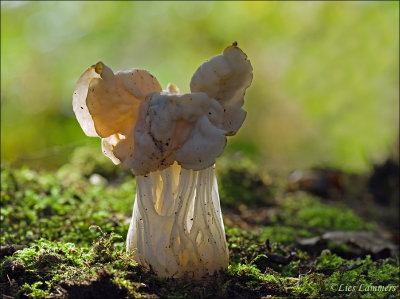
(96, 179)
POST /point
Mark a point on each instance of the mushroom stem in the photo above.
(176, 226)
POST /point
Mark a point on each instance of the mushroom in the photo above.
(170, 141)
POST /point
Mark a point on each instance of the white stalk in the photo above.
(177, 227)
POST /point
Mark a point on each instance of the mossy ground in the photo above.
(70, 227)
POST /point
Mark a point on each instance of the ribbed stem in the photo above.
(176, 227)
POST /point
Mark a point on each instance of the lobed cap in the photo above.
(147, 129)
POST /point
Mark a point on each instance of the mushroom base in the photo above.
(176, 227)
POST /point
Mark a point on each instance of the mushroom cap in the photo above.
(107, 106)
(225, 78)
(147, 129)
(177, 127)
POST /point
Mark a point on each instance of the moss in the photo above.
(51, 266)
(362, 278)
(36, 290)
(74, 231)
(88, 160)
(291, 270)
(241, 182)
(247, 272)
(327, 260)
(373, 279)
(60, 211)
(310, 213)
(47, 264)
(283, 234)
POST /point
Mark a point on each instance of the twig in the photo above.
(277, 259)
(9, 280)
(300, 275)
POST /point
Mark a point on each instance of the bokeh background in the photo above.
(326, 74)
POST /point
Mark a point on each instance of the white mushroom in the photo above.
(170, 141)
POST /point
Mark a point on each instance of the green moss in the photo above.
(60, 210)
(350, 278)
(35, 290)
(249, 272)
(242, 182)
(367, 281)
(327, 260)
(75, 230)
(308, 212)
(89, 160)
(47, 263)
(291, 270)
(283, 234)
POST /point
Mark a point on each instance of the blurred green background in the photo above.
(326, 74)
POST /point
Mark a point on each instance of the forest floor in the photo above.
(318, 233)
